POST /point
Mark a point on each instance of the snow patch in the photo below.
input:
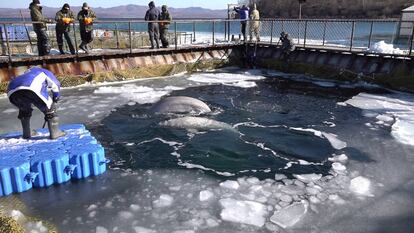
(383, 47)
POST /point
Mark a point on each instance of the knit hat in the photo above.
(66, 6)
(36, 1)
(85, 6)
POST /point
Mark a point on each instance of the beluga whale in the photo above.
(196, 123)
(180, 105)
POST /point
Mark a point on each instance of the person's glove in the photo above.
(66, 20)
(88, 21)
(56, 99)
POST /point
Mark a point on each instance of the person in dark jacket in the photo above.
(64, 18)
(165, 16)
(243, 16)
(287, 46)
(40, 28)
(153, 14)
(31, 88)
(86, 17)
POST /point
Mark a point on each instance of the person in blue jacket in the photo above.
(32, 88)
(243, 16)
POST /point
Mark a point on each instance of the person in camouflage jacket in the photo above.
(40, 28)
(86, 17)
(164, 16)
(64, 18)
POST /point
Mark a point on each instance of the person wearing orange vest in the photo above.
(86, 17)
(64, 18)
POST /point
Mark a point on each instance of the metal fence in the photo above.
(390, 37)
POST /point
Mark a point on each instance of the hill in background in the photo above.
(127, 11)
(334, 8)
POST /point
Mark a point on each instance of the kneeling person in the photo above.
(31, 88)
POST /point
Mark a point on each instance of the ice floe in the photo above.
(290, 215)
(387, 108)
(247, 212)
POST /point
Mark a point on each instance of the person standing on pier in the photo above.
(243, 16)
(86, 17)
(153, 14)
(64, 18)
(40, 28)
(255, 24)
(165, 16)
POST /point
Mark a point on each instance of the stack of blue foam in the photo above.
(41, 162)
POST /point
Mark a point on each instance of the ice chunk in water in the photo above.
(361, 186)
(125, 215)
(230, 184)
(290, 215)
(100, 229)
(335, 142)
(163, 201)
(143, 230)
(206, 195)
(338, 167)
(247, 212)
(307, 178)
(339, 158)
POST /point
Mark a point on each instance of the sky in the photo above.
(211, 4)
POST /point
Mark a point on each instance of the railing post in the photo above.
(352, 35)
(76, 40)
(175, 35)
(130, 37)
(305, 33)
(283, 25)
(214, 28)
(116, 35)
(271, 31)
(7, 43)
(370, 34)
(411, 40)
(324, 33)
(194, 31)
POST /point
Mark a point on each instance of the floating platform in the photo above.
(41, 162)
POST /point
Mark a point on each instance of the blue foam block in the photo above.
(41, 162)
(15, 175)
(89, 160)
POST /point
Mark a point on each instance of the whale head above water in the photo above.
(180, 104)
(196, 123)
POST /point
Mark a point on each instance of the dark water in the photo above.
(264, 144)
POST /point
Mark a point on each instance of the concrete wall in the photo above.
(86, 64)
(392, 72)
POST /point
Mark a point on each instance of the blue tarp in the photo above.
(15, 32)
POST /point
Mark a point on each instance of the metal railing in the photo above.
(131, 35)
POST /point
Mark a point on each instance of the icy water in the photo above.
(292, 154)
(266, 137)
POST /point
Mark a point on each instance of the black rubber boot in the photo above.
(53, 125)
(27, 134)
(61, 49)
